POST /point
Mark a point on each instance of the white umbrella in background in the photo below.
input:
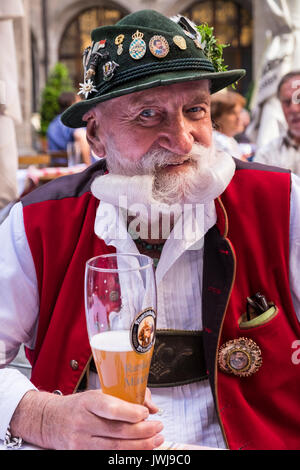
(10, 113)
(10, 109)
(282, 55)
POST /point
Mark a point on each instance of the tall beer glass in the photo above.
(120, 305)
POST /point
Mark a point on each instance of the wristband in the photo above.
(11, 442)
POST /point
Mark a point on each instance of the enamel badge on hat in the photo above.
(137, 48)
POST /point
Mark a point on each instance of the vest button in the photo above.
(114, 296)
(74, 364)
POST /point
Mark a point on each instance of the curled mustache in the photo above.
(150, 163)
(204, 178)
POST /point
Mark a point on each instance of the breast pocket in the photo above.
(260, 320)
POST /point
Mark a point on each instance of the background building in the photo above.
(59, 30)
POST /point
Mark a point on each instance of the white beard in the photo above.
(206, 177)
(159, 197)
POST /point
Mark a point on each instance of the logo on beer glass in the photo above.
(143, 331)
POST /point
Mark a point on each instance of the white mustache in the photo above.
(144, 184)
(155, 160)
(203, 181)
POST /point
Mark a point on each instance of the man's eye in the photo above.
(148, 113)
(196, 109)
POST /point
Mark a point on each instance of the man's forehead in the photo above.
(192, 92)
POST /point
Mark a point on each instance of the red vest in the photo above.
(247, 252)
(257, 234)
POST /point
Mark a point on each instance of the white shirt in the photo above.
(189, 414)
(283, 152)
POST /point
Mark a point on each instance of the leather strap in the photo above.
(178, 359)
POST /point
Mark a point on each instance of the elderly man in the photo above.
(284, 151)
(233, 381)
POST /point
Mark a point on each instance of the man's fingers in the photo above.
(121, 430)
(149, 403)
(124, 444)
(113, 408)
(106, 422)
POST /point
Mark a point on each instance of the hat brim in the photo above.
(72, 117)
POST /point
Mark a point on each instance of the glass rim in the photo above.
(117, 270)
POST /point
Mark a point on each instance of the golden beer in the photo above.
(123, 373)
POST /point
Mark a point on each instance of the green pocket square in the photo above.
(260, 319)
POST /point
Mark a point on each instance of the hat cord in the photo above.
(167, 66)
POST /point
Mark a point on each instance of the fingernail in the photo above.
(158, 440)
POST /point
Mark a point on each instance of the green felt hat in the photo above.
(143, 50)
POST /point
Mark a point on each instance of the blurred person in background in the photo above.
(227, 116)
(284, 151)
(59, 135)
(246, 145)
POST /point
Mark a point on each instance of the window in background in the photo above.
(232, 25)
(77, 37)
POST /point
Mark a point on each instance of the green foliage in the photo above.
(57, 82)
(212, 49)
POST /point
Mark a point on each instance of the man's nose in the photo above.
(177, 136)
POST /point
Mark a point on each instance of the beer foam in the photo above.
(114, 341)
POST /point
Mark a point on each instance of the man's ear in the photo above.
(92, 133)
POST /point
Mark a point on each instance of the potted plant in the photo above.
(57, 82)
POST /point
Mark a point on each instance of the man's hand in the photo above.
(87, 420)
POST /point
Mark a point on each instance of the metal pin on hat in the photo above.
(119, 42)
(137, 48)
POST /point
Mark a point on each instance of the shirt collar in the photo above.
(188, 233)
